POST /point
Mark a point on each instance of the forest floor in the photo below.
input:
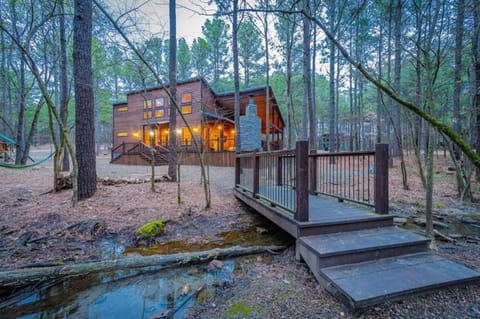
(38, 227)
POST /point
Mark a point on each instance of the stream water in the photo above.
(144, 293)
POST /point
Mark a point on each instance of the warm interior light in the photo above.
(233, 131)
(219, 127)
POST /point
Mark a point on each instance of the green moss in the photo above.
(440, 205)
(152, 229)
(239, 310)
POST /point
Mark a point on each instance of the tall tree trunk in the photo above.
(307, 115)
(63, 84)
(84, 104)
(172, 155)
(331, 97)
(5, 118)
(397, 69)
(314, 120)
(380, 138)
(476, 72)
(20, 147)
(236, 76)
(267, 79)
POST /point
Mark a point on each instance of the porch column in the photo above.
(381, 178)
(301, 155)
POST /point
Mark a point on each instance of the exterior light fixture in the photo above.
(179, 131)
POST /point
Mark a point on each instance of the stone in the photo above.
(399, 221)
(250, 128)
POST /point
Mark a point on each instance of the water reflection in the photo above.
(163, 294)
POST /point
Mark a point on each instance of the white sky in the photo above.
(153, 15)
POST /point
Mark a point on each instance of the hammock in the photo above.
(14, 166)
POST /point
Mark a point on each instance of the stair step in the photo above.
(361, 245)
(366, 283)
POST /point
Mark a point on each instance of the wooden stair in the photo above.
(368, 266)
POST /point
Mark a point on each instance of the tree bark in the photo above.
(476, 77)
(331, 98)
(236, 77)
(84, 103)
(172, 154)
(63, 83)
(28, 276)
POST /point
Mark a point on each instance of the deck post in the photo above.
(312, 170)
(256, 173)
(279, 170)
(381, 178)
(237, 170)
(301, 154)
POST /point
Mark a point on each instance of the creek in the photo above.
(142, 293)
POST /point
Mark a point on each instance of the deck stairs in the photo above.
(368, 265)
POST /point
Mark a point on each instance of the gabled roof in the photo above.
(166, 85)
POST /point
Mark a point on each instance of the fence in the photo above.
(285, 179)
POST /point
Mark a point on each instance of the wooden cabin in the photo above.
(143, 121)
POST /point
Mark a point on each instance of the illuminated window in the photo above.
(186, 98)
(186, 109)
(122, 109)
(159, 101)
(186, 137)
(147, 115)
(122, 134)
(159, 113)
(147, 104)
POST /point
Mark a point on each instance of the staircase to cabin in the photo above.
(367, 266)
(142, 153)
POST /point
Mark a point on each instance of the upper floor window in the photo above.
(160, 101)
(122, 134)
(147, 104)
(122, 109)
(187, 98)
(159, 113)
(147, 115)
(186, 109)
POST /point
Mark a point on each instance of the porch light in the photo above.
(219, 127)
(135, 134)
(152, 134)
(195, 129)
(233, 131)
(179, 131)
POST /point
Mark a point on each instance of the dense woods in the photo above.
(426, 53)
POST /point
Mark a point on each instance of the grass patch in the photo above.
(152, 229)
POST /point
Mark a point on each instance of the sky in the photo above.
(153, 14)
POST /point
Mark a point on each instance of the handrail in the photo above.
(360, 177)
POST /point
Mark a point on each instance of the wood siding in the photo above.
(132, 121)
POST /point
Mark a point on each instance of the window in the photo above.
(186, 137)
(122, 109)
(186, 109)
(159, 113)
(159, 101)
(147, 115)
(187, 98)
(147, 104)
(122, 134)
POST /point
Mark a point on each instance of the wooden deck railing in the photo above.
(287, 178)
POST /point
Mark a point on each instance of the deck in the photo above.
(353, 251)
